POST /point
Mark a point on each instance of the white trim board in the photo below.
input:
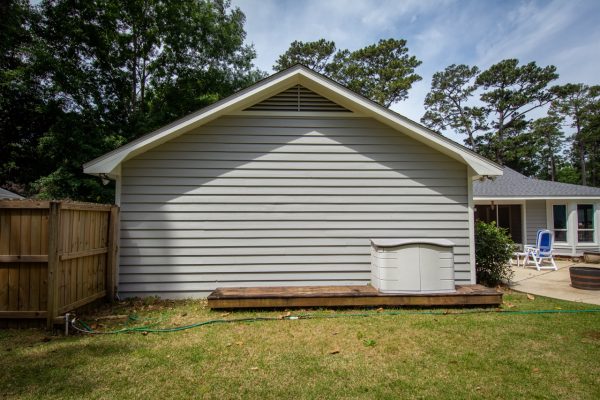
(108, 163)
(536, 198)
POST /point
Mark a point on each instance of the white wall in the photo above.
(251, 201)
(535, 218)
(572, 246)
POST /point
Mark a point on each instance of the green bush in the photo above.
(493, 251)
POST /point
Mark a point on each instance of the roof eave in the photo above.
(521, 198)
(108, 164)
(345, 97)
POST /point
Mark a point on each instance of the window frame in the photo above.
(566, 228)
(592, 229)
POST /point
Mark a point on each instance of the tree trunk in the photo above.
(593, 162)
(499, 137)
(143, 84)
(472, 141)
(581, 148)
(582, 162)
(497, 146)
(552, 157)
(134, 66)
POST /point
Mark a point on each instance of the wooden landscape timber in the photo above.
(347, 296)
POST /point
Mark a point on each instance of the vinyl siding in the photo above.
(256, 201)
(536, 218)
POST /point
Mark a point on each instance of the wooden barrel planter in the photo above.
(585, 278)
(591, 257)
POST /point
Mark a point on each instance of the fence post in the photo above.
(53, 261)
(113, 248)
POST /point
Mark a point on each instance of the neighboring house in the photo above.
(285, 183)
(524, 205)
(5, 194)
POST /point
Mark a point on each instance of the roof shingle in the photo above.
(5, 194)
(515, 185)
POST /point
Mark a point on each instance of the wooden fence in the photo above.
(54, 257)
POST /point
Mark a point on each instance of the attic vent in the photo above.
(297, 98)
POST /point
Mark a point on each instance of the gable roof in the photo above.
(109, 164)
(5, 194)
(513, 185)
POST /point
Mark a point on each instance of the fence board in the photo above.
(4, 249)
(53, 263)
(65, 231)
(26, 204)
(71, 265)
(25, 248)
(89, 287)
(13, 267)
(111, 260)
(93, 287)
(77, 240)
(97, 259)
(86, 207)
(25, 258)
(53, 258)
(34, 270)
(84, 253)
(44, 268)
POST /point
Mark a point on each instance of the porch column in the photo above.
(572, 226)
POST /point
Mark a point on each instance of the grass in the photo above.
(475, 355)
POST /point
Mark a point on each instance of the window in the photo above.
(585, 223)
(559, 213)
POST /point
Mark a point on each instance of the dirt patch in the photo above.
(592, 335)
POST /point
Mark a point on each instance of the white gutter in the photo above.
(536, 198)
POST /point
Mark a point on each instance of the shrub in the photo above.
(493, 251)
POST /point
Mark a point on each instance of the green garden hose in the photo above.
(85, 328)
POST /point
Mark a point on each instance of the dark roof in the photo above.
(515, 185)
(5, 194)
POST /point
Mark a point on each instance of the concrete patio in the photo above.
(555, 284)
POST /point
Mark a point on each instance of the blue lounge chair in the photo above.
(542, 250)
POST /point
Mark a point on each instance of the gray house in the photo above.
(284, 184)
(523, 205)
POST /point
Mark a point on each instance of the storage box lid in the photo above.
(404, 242)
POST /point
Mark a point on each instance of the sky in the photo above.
(564, 33)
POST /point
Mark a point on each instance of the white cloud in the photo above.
(440, 33)
(528, 30)
(272, 25)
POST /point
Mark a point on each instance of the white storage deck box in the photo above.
(409, 266)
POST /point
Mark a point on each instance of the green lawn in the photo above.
(476, 355)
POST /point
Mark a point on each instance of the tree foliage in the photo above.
(579, 104)
(447, 106)
(549, 141)
(493, 251)
(383, 72)
(510, 92)
(314, 55)
(493, 109)
(100, 73)
(24, 108)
